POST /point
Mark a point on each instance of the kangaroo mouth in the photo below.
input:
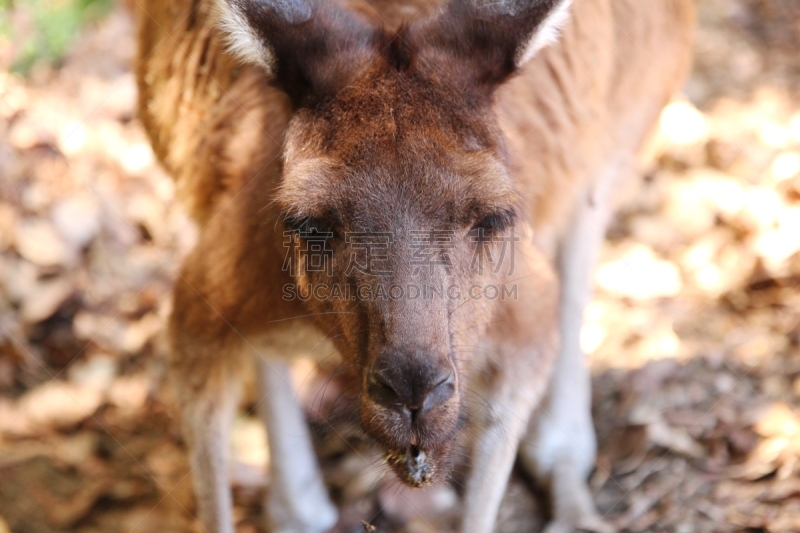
(413, 466)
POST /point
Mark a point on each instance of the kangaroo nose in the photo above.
(412, 391)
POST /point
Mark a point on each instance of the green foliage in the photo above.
(52, 27)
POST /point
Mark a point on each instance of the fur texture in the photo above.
(339, 125)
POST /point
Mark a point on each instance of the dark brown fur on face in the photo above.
(418, 162)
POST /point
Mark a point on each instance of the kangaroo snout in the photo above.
(411, 405)
(413, 389)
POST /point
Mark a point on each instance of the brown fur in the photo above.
(404, 128)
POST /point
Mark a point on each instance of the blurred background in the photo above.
(694, 333)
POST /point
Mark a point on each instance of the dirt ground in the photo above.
(694, 332)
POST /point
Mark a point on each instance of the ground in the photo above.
(694, 333)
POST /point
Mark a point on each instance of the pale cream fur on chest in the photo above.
(295, 340)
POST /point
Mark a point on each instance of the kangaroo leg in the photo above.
(298, 500)
(205, 380)
(561, 446)
(522, 347)
(496, 449)
(206, 389)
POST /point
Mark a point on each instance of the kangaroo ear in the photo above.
(309, 47)
(491, 39)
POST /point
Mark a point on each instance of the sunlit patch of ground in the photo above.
(694, 333)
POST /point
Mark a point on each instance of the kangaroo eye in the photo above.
(497, 221)
(310, 227)
(490, 223)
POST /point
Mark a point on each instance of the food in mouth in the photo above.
(413, 466)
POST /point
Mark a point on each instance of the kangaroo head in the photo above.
(397, 193)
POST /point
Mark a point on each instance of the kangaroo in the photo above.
(420, 187)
